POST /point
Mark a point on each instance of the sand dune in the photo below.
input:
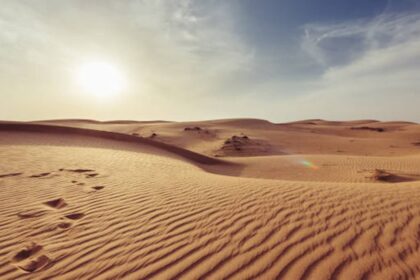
(75, 131)
(304, 137)
(90, 200)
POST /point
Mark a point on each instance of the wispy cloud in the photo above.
(355, 38)
(378, 80)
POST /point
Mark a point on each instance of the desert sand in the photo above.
(224, 199)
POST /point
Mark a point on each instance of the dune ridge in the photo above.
(26, 127)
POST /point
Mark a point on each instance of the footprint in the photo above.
(35, 264)
(79, 170)
(75, 216)
(29, 260)
(10, 175)
(64, 225)
(97, 188)
(27, 252)
(91, 175)
(40, 175)
(56, 203)
(31, 213)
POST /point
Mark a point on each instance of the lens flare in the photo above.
(309, 164)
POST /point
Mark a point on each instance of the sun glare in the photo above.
(100, 79)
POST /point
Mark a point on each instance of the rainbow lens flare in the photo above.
(309, 164)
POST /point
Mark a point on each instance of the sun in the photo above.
(101, 79)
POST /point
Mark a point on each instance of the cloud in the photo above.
(359, 36)
(380, 81)
(169, 50)
(179, 38)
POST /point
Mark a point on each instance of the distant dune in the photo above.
(220, 199)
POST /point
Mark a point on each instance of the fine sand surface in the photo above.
(224, 199)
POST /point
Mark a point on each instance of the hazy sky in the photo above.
(280, 60)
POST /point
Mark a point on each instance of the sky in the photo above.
(185, 60)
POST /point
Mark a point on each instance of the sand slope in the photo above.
(305, 137)
(79, 204)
